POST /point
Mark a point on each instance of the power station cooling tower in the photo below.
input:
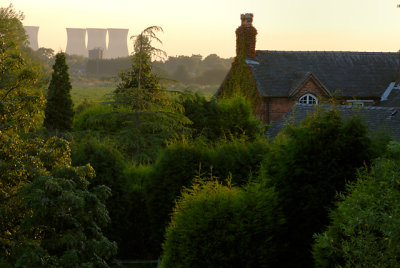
(97, 38)
(117, 43)
(32, 32)
(76, 42)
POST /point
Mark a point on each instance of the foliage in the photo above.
(236, 118)
(153, 115)
(46, 210)
(223, 226)
(21, 99)
(227, 119)
(365, 226)
(65, 221)
(109, 166)
(136, 244)
(140, 75)
(308, 165)
(59, 112)
(178, 164)
(192, 71)
(139, 142)
(174, 168)
(204, 115)
(240, 159)
(99, 117)
(240, 82)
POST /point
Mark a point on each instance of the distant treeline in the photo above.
(195, 69)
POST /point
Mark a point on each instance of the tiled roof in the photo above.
(377, 118)
(344, 74)
(393, 99)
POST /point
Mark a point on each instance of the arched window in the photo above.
(308, 99)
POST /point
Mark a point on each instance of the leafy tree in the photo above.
(308, 164)
(154, 116)
(213, 62)
(21, 98)
(175, 167)
(59, 112)
(45, 207)
(140, 77)
(109, 165)
(51, 212)
(365, 226)
(214, 225)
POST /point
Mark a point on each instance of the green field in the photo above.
(94, 94)
(99, 94)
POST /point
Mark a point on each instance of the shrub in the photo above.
(136, 243)
(175, 167)
(178, 164)
(227, 119)
(222, 226)
(90, 118)
(109, 166)
(59, 111)
(236, 118)
(308, 164)
(240, 158)
(365, 227)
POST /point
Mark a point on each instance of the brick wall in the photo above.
(246, 37)
(276, 108)
(311, 87)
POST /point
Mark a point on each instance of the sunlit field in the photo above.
(94, 94)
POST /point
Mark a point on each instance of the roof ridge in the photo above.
(348, 106)
(327, 51)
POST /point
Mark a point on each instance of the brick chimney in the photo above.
(246, 37)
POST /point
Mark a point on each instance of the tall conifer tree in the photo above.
(59, 112)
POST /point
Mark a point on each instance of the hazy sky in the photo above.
(208, 26)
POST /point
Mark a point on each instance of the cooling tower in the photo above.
(97, 38)
(32, 32)
(117, 43)
(76, 42)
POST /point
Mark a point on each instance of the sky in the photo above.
(208, 26)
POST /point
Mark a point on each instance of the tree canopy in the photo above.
(46, 208)
(307, 165)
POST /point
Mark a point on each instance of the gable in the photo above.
(309, 84)
(343, 74)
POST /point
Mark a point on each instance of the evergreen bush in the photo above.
(178, 164)
(109, 166)
(59, 111)
(365, 228)
(227, 119)
(308, 164)
(214, 225)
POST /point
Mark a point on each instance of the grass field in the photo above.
(101, 93)
(94, 94)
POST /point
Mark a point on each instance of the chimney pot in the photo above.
(249, 19)
(246, 36)
(243, 19)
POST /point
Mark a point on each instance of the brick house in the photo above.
(274, 81)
